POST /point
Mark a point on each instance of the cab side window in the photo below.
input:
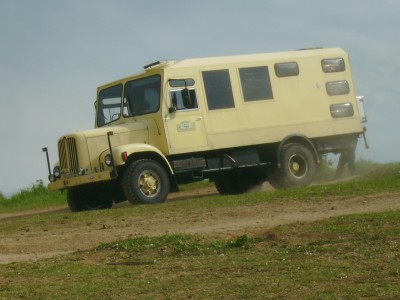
(183, 94)
(182, 99)
(142, 96)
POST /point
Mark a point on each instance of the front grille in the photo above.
(68, 155)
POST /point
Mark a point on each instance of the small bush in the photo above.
(35, 196)
(242, 241)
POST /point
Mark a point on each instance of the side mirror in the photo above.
(172, 109)
(185, 94)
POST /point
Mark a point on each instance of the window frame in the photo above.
(144, 111)
(211, 91)
(330, 88)
(341, 110)
(246, 89)
(280, 73)
(176, 83)
(333, 68)
(100, 105)
(190, 89)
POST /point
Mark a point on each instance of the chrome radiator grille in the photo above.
(68, 155)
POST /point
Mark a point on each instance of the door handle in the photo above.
(199, 118)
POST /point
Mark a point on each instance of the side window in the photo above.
(334, 88)
(256, 84)
(183, 99)
(342, 110)
(286, 69)
(218, 89)
(142, 96)
(332, 65)
(109, 105)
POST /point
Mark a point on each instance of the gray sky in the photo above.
(54, 54)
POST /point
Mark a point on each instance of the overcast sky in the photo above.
(54, 54)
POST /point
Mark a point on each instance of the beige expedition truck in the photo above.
(235, 120)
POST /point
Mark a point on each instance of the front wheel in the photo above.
(298, 167)
(145, 181)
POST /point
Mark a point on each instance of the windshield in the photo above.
(142, 96)
(109, 106)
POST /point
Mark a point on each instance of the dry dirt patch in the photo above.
(38, 242)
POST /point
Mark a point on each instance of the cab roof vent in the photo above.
(154, 64)
(310, 48)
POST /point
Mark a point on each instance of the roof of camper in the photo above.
(220, 60)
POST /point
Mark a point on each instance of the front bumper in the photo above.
(64, 183)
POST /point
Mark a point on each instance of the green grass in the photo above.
(36, 196)
(348, 257)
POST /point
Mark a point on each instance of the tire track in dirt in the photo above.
(62, 238)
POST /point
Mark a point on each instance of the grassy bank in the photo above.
(348, 257)
(36, 196)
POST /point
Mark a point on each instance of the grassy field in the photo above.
(344, 258)
(349, 257)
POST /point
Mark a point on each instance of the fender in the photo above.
(137, 148)
(297, 138)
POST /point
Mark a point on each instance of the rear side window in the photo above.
(218, 89)
(256, 84)
(332, 65)
(334, 88)
(286, 69)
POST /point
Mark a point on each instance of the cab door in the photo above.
(184, 121)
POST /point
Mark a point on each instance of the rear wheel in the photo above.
(297, 169)
(145, 181)
(89, 198)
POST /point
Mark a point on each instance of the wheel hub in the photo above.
(295, 166)
(298, 166)
(148, 184)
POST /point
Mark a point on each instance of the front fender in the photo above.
(133, 149)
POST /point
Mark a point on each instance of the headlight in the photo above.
(52, 178)
(108, 160)
(57, 172)
(81, 171)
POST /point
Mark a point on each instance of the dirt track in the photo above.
(37, 242)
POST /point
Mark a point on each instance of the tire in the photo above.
(273, 179)
(146, 182)
(298, 167)
(89, 198)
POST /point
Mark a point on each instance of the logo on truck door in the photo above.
(186, 126)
